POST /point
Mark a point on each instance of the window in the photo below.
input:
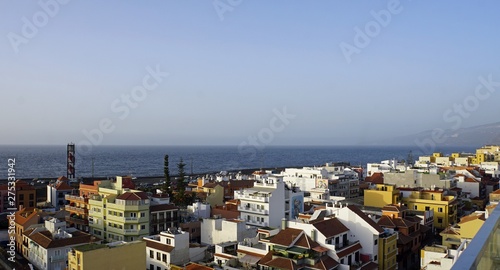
(193, 230)
(158, 256)
(151, 254)
(31, 197)
(143, 227)
(169, 241)
(21, 197)
(143, 214)
(415, 207)
(375, 258)
(440, 210)
(164, 257)
(440, 220)
(375, 242)
(427, 208)
(133, 214)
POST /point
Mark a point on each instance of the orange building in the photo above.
(25, 195)
(78, 207)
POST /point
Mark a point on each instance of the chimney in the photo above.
(283, 223)
(313, 234)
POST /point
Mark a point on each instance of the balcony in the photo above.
(257, 223)
(243, 208)
(59, 258)
(252, 197)
(80, 221)
(484, 250)
(76, 198)
(75, 209)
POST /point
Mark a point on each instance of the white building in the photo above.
(492, 168)
(268, 202)
(305, 178)
(56, 193)
(217, 230)
(49, 246)
(332, 234)
(363, 228)
(199, 209)
(437, 257)
(171, 247)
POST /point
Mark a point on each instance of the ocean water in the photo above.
(50, 161)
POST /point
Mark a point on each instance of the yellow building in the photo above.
(117, 255)
(380, 195)
(388, 250)
(487, 153)
(444, 206)
(118, 214)
(466, 229)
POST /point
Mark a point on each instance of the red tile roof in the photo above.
(330, 227)
(162, 207)
(326, 263)
(349, 250)
(46, 240)
(63, 186)
(159, 246)
(133, 196)
(286, 237)
(282, 263)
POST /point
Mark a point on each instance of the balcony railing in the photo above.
(484, 250)
(77, 220)
(75, 209)
(59, 258)
(75, 198)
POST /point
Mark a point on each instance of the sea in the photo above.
(38, 161)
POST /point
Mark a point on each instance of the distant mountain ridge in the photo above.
(476, 135)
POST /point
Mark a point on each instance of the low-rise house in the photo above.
(293, 249)
(49, 246)
(217, 230)
(170, 248)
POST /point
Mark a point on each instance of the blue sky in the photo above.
(230, 71)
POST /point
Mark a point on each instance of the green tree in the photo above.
(167, 187)
(181, 185)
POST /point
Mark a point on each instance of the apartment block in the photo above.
(78, 207)
(266, 203)
(49, 246)
(438, 200)
(117, 213)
